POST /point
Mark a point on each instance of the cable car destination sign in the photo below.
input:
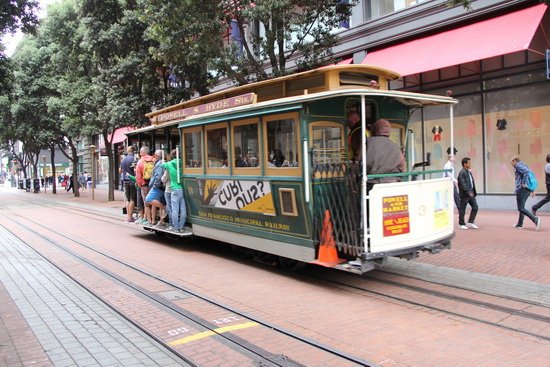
(221, 104)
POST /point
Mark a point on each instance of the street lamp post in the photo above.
(92, 149)
(44, 172)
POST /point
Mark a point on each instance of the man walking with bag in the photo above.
(523, 192)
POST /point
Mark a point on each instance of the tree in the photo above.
(124, 78)
(16, 14)
(187, 37)
(303, 30)
(194, 36)
(30, 122)
(72, 105)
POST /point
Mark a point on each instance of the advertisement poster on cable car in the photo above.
(250, 196)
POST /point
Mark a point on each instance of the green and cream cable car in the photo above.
(266, 167)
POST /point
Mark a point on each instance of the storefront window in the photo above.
(515, 126)
(468, 135)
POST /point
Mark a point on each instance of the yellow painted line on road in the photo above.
(206, 334)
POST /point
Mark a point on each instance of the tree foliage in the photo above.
(18, 14)
(278, 31)
(237, 38)
(122, 74)
(187, 37)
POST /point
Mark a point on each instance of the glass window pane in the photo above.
(327, 144)
(468, 135)
(515, 123)
(193, 149)
(281, 143)
(246, 145)
(216, 140)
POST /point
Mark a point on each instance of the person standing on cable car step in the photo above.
(179, 210)
(522, 192)
(546, 199)
(468, 193)
(144, 172)
(383, 155)
(155, 197)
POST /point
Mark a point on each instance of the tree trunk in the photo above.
(111, 176)
(54, 175)
(74, 161)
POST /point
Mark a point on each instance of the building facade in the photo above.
(492, 58)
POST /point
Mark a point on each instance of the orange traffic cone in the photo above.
(327, 246)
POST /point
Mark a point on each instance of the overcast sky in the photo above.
(10, 41)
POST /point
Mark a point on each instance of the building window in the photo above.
(377, 8)
(345, 23)
(236, 37)
(515, 124)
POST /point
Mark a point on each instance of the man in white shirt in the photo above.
(450, 166)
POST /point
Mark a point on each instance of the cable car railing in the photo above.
(336, 187)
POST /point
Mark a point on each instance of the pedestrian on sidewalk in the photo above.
(522, 192)
(468, 193)
(71, 184)
(546, 199)
(450, 173)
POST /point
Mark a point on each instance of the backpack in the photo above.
(148, 170)
(531, 181)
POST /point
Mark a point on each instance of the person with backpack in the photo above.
(524, 188)
(156, 190)
(144, 172)
(546, 199)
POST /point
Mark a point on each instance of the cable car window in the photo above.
(193, 149)
(216, 147)
(326, 141)
(245, 145)
(282, 143)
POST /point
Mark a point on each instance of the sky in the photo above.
(10, 41)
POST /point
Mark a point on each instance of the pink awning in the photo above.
(492, 37)
(119, 135)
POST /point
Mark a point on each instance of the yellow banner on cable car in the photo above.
(250, 196)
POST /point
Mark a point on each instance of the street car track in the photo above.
(262, 356)
(423, 291)
(416, 299)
